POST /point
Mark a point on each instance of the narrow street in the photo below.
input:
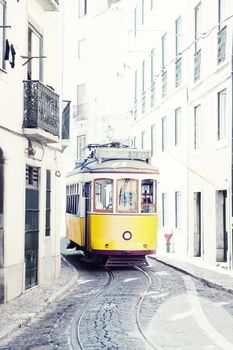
(156, 307)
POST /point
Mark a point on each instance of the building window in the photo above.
(143, 11)
(143, 87)
(2, 32)
(80, 111)
(153, 140)
(177, 209)
(81, 143)
(197, 28)
(178, 63)
(152, 5)
(72, 199)
(164, 50)
(34, 66)
(164, 62)
(197, 48)
(164, 133)
(148, 196)
(222, 13)
(178, 36)
(177, 126)
(135, 22)
(135, 93)
(222, 114)
(222, 32)
(82, 8)
(48, 204)
(82, 49)
(197, 127)
(152, 76)
(164, 209)
(143, 137)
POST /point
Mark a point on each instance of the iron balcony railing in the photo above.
(178, 71)
(80, 111)
(65, 132)
(143, 102)
(197, 65)
(222, 37)
(41, 107)
(152, 94)
(164, 84)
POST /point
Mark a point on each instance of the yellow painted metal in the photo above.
(108, 229)
(75, 229)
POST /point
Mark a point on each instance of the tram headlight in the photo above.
(145, 245)
(127, 235)
(106, 245)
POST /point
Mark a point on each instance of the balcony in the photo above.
(178, 65)
(222, 37)
(41, 112)
(164, 84)
(197, 65)
(49, 5)
(143, 102)
(152, 94)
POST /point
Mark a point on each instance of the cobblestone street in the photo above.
(154, 308)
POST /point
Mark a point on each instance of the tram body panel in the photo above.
(75, 229)
(109, 229)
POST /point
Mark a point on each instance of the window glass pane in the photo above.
(127, 195)
(222, 114)
(103, 194)
(148, 196)
(178, 36)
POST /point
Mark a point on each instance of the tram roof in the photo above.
(114, 157)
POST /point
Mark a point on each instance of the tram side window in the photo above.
(148, 196)
(72, 199)
(127, 196)
(103, 195)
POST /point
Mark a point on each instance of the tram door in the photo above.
(87, 195)
(31, 227)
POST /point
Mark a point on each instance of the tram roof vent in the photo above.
(122, 153)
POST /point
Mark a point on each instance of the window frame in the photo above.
(48, 197)
(94, 196)
(137, 196)
(222, 119)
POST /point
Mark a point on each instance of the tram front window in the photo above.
(127, 195)
(103, 195)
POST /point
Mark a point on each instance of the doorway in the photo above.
(221, 231)
(31, 227)
(197, 221)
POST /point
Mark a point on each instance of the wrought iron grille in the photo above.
(66, 122)
(222, 36)
(152, 94)
(80, 111)
(164, 84)
(143, 102)
(197, 65)
(178, 71)
(41, 107)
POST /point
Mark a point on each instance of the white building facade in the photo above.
(165, 67)
(30, 144)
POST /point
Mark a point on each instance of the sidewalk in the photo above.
(24, 308)
(214, 277)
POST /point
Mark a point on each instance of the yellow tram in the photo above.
(111, 204)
